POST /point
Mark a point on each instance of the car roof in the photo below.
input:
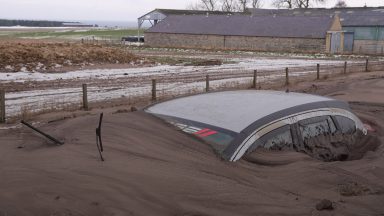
(233, 110)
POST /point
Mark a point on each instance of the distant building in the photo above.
(363, 26)
(311, 34)
(157, 15)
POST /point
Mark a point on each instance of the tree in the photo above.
(229, 5)
(256, 4)
(341, 4)
(295, 3)
(208, 5)
(225, 5)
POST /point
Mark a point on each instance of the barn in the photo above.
(314, 34)
(363, 26)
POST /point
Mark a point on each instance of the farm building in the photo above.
(246, 32)
(157, 15)
(363, 26)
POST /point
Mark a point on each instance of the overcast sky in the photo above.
(116, 10)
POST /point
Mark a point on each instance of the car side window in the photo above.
(278, 139)
(347, 126)
(316, 126)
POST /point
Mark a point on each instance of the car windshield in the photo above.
(218, 138)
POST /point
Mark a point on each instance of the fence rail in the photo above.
(149, 88)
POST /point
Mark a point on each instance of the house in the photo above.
(311, 34)
(363, 26)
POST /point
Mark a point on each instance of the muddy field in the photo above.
(151, 169)
(56, 57)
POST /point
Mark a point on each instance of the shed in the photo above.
(245, 32)
(363, 26)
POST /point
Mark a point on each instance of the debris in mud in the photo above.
(339, 147)
(327, 148)
(355, 189)
(15, 57)
(324, 204)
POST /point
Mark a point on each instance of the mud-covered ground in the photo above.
(151, 169)
(16, 56)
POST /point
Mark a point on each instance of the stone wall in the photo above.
(368, 47)
(235, 42)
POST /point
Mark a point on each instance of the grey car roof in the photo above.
(358, 16)
(246, 25)
(232, 110)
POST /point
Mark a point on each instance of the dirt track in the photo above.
(151, 169)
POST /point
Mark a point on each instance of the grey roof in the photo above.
(232, 110)
(168, 12)
(358, 16)
(245, 25)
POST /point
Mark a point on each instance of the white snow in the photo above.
(52, 99)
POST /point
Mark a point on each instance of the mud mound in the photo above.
(274, 158)
(325, 148)
(48, 56)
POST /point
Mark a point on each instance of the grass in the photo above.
(114, 34)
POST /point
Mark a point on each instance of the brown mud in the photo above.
(152, 169)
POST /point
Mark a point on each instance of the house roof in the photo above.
(355, 16)
(244, 25)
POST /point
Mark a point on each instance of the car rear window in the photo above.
(278, 139)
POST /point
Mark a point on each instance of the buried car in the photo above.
(236, 123)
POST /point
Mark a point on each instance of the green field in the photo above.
(69, 34)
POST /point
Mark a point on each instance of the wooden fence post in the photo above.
(85, 97)
(286, 76)
(366, 65)
(207, 83)
(318, 72)
(154, 90)
(255, 79)
(2, 106)
(345, 67)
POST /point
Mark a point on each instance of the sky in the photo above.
(110, 10)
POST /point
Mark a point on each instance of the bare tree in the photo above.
(224, 5)
(307, 3)
(208, 5)
(283, 3)
(295, 3)
(229, 5)
(256, 4)
(243, 4)
(341, 4)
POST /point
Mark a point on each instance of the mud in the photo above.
(152, 169)
(52, 57)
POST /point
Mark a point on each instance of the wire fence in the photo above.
(145, 87)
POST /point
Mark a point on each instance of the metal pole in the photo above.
(366, 65)
(207, 83)
(286, 76)
(85, 97)
(2, 106)
(345, 67)
(318, 72)
(254, 79)
(154, 90)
